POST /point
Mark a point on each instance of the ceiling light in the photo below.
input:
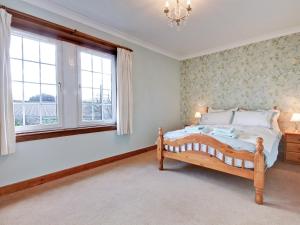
(178, 12)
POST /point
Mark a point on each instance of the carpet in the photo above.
(134, 192)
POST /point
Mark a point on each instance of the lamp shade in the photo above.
(197, 115)
(295, 117)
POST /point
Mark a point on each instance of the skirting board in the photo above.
(11, 188)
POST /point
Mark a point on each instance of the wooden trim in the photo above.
(30, 136)
(40, 26)
(8, 189)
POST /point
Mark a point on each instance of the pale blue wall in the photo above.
(156, 103)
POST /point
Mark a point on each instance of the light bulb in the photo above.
(167, 4)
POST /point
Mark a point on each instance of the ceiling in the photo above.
(214, 25)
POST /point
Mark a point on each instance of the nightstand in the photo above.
(292, 146)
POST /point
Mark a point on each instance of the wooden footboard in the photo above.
(211, 161)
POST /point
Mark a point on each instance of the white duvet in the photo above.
(246, 140)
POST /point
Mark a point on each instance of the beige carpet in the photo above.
(134, 192)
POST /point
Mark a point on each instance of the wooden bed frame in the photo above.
(207, 160)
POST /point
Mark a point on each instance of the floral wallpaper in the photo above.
(255, 76)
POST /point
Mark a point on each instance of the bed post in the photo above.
(259, 171)
(160, 148)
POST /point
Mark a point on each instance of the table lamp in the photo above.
(198, 116)
(296, 118)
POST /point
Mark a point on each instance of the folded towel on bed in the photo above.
(233, 135)
(195, 129)
(230, 133)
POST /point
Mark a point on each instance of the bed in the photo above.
(248, 155)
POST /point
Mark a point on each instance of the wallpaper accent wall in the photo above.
(255, 76)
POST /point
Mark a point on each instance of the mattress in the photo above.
(246, 140)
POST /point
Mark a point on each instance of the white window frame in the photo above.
(59, 83)
(82, 123)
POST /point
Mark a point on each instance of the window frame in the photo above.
(112, 57)
(35, 25)
(59, 81)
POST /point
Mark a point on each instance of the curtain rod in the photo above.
(37, 25)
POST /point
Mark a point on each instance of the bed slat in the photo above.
(213, 143)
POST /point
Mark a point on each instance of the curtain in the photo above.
(124, 92)
(7, 127)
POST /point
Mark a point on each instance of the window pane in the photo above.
(16, 47)
(34, 86)
(106, 97)
(87, 95)
(31, 92)
(18, 113)
(16, 69)
(97, 95)
(31, 50)
(48, 74)
(107, 112)
(32, 114)
(31, 72)
(97, 108)
(49, 113)
(47, 53)
(17, 88)
(86, 79)
(106, 66)
(107, 82)
(87, 111)
(97, 91)
(86, 61)
(97, 80)
(97, 64)
(48, 93)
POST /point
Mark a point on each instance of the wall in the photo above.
(155, 105)
(256, 76)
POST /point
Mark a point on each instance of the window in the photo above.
(58, 85)
(35, 82)
(97, 87)
(50, 88)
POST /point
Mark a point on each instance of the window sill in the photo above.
(30, 136)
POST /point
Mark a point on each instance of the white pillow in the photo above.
(253, 118)
(275, 113)
(210, 109)
(211, 118)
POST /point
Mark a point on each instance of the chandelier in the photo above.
(178, 12)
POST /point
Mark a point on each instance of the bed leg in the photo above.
(160, 148)
(161, 164)
(259, 171)
(259, 196)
